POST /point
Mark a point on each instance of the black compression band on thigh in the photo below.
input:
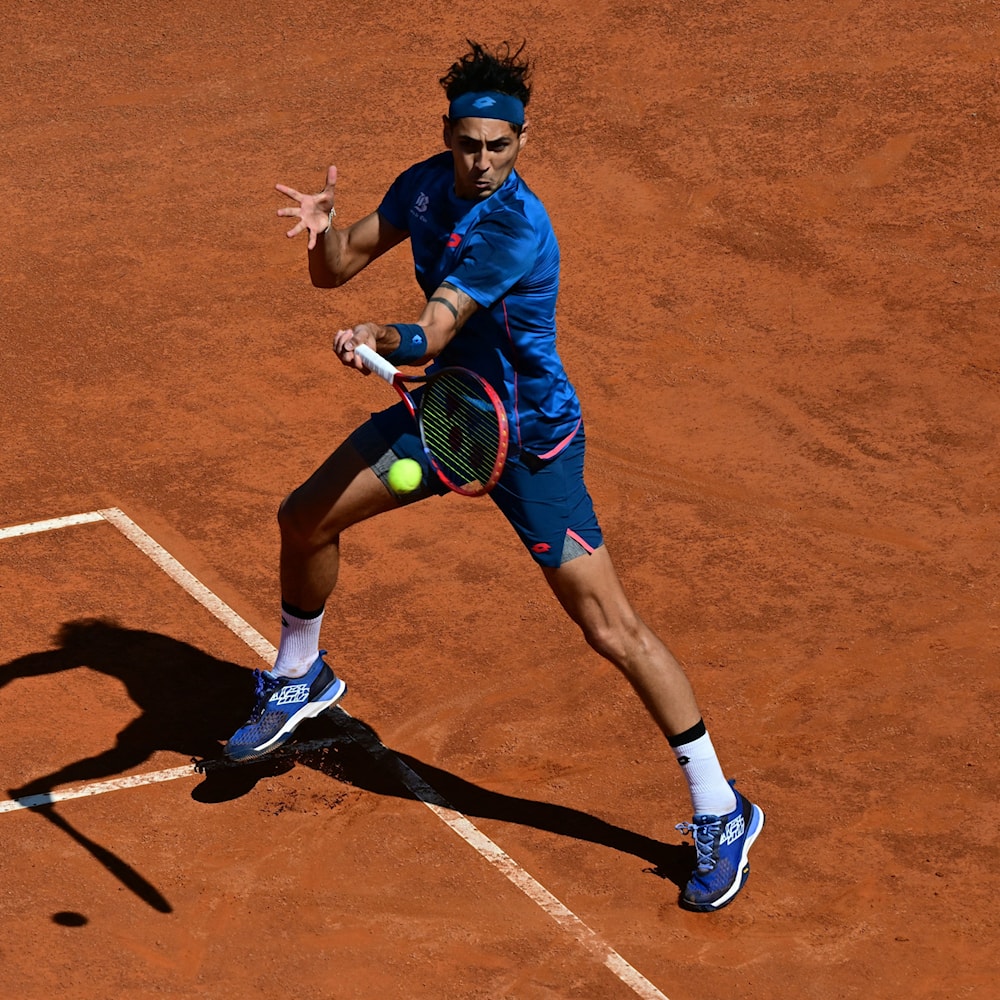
(689, 735)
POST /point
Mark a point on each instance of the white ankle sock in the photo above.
(299, 645)
(711, 794)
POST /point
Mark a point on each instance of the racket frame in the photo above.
(387, 371)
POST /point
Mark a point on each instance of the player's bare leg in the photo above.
(301, 685)
(725, 824)
(591, 592)
(343, 491)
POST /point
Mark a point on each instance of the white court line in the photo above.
(423, 792)
(152, 777)
(97, 788)
(166, 562)
(50, 525)
(505, 864)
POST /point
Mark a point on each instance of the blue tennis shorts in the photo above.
(545, 501)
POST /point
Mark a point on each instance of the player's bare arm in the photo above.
(336, 255)
(446, 312)
(340, 254)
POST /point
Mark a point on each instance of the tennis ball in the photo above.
(405, 475)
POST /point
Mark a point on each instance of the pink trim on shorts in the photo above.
(579, 541)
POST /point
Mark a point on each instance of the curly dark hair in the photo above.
(503, 70)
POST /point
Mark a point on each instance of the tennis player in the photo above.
(487, 261)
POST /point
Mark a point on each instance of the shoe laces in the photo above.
(263, 686)
(706, 840)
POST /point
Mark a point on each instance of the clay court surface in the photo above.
(779, 229)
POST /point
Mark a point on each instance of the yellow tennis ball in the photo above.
(405, 475)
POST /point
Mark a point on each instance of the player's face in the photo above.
(484, 150)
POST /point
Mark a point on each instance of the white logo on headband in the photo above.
(484, 102)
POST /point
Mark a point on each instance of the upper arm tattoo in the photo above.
(446, 304)
(463, 306)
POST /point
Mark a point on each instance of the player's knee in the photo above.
(288, 522)
(616, 639)
(297, 528)
(602, 640)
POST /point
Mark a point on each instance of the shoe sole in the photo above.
(753, 832)
(327, 699)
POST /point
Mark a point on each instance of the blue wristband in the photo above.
(412, 344)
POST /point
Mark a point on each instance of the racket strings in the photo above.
(463, 429)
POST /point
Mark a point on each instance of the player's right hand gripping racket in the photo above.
(462, 423)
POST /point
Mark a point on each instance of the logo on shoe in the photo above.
(735, 829)
(290, 694)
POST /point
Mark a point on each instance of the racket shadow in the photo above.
(119, 868)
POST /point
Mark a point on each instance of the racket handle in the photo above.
(374, 362)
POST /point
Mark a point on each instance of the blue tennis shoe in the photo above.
(723, 845)
(281, 703)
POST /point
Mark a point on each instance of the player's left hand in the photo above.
(314, 211)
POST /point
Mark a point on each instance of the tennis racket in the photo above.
(462, 423)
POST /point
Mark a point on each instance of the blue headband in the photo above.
(487, 104)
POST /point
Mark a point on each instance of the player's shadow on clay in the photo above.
(348, 760)
(190, 702)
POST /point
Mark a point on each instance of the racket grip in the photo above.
(374, 362)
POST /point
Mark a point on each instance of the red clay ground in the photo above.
(787, 215)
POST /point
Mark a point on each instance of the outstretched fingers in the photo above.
(313, 211)
(291, 192)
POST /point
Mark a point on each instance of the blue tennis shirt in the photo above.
(503, 254)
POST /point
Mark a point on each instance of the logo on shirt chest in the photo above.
(420, 206)
(454, 240)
